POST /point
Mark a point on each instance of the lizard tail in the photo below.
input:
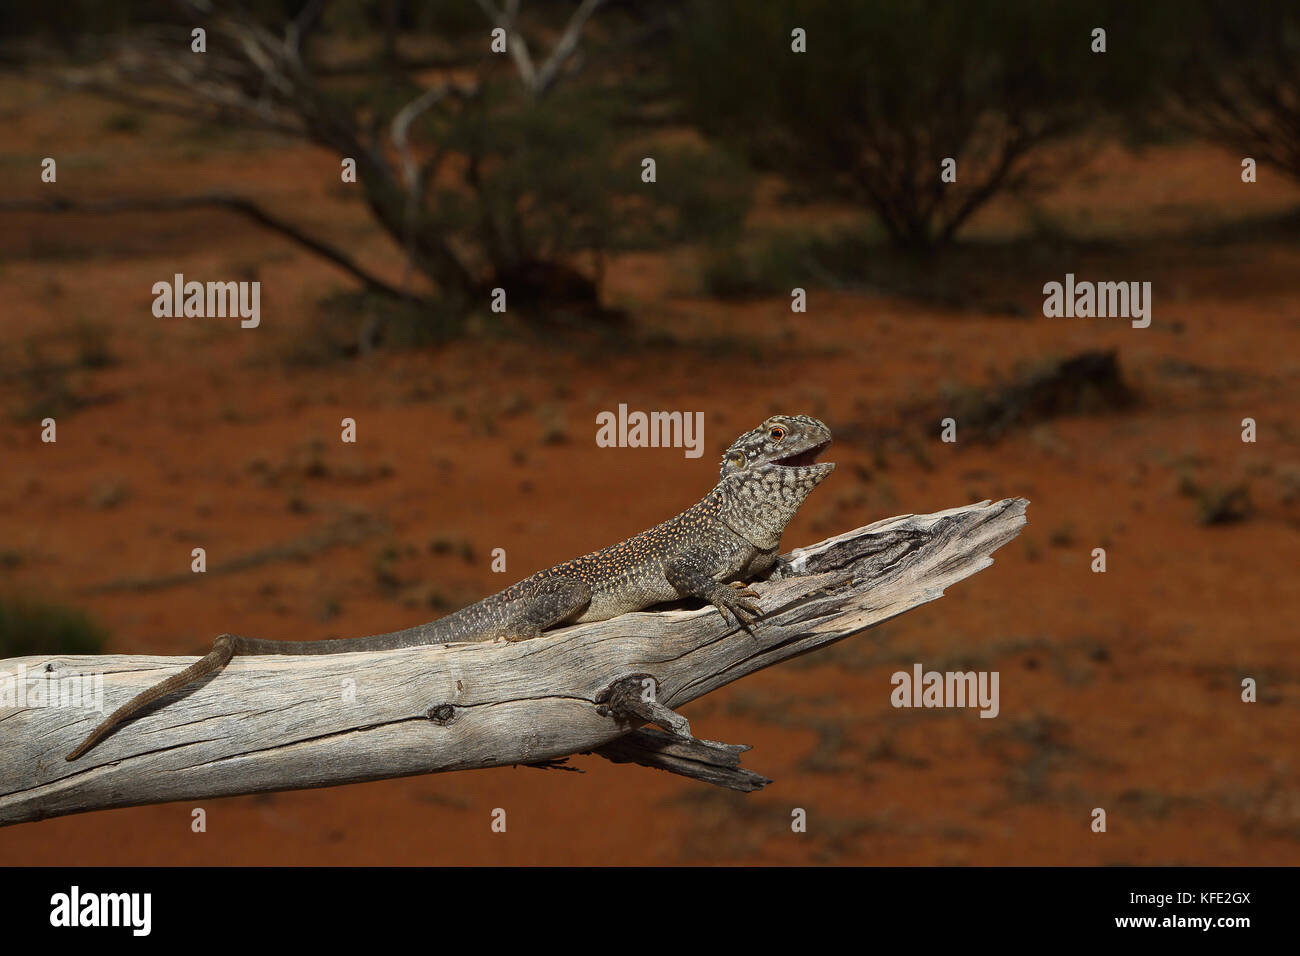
(223, 648)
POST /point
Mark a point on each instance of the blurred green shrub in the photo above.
(888, 89)
(1232, 76)
(543, 182)
(29, 627)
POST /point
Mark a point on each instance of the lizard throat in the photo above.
(759, 502)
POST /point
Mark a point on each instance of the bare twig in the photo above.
(539, 81)
(244, 207)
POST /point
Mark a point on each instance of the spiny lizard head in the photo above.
(786, 446)
(767, 474)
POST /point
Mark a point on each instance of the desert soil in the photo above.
(1119, 690)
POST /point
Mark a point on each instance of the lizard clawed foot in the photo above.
(740, 601)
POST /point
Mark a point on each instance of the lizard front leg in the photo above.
(691, 579)
(542, 604)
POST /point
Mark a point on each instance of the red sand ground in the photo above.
(1118, 690)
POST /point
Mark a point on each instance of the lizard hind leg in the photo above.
(542, 604)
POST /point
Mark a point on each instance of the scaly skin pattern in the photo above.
(731, 536)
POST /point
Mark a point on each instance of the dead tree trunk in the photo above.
(279, 723)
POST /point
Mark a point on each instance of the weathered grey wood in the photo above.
(277, 723)
(704, 760)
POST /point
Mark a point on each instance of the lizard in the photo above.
(729, 537)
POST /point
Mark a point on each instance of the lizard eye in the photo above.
(777, 432)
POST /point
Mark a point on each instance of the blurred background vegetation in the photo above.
(29, 627)
(523, 172)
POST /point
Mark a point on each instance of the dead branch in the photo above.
(277, 723)
(245, 207)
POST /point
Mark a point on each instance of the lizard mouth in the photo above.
(803, 458)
